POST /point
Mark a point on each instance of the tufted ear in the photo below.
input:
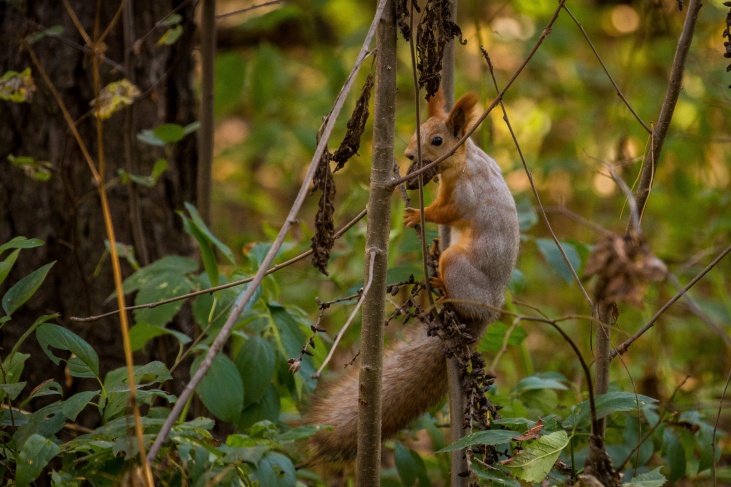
(462, 114)
(435, 105)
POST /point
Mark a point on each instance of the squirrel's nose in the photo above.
(409, 155)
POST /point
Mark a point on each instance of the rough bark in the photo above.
(65, 211)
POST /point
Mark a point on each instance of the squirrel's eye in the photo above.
(436, 141)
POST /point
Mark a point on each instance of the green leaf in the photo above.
(76, 403)
(154, 372)
(606, 404)
(51, 31)
(33, 458)
(21, 243)
(84, 364)
(170, 36)
(534, 382)
(255, 363)
(200, 224)
(493, 476)
(11, 390)
(13, 367)
(7, 264)
(410, 466)
(169, 132)
(265, 410)
(487, 437)
(648, 479)
(170, 265)
(674, 455)
(533, 463)
(276, 470)
(495, 336)
(221, 390)
(141, 333)
(149, 138)
(24, 289)
(170, 20)
(553, 256)
(46, 422)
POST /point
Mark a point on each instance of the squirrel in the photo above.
(475, 202)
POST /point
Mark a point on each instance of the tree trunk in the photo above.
(65, 211)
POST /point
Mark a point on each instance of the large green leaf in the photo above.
(537, 457)
(85, 362)
(33, 458)
(221, 390)
(265, 410)
(24, 289)
(11, 390)
(410, 466)
(141, 333)
(611, 402)
(553, 256)
(647, 479)
(45, 422)
(21, 243)
(493, 476)
(256, 362)
(674, 454)
(76, 403)
(276, 470)
(494, 337)
(201, 225)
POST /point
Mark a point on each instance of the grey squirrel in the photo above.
(474, 201)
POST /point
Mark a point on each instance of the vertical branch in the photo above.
(116, 268)
(675, 83)
(135, 216)
(205, 137)
(368, 461)
(602, 312)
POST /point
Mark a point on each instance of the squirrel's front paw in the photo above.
(412, 217)
(436, 282)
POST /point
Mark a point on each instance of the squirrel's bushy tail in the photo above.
(414, 379)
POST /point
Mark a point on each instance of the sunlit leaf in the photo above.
(487, 437)
(114, 97)
(647, 479)
(21, 243)
(537, 457)
(17, 87)
(170, 36)
(34, 169)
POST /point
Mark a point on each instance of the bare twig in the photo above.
(622, 348)
(248, 9)
(246, 296)
(342, 331)
(606, 71)
(533, 186)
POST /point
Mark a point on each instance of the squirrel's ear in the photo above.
(462, 114)
(435, 104)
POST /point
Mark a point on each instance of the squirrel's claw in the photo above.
(412, 217)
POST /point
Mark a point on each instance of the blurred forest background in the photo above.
(278, 69)
(278, 72)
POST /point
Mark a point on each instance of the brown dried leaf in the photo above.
(324, 238)
(427, 176)
(533, 433)
(434, 31)
(356, 125)
(624, 267)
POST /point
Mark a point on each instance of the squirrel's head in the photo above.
(441, 131)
